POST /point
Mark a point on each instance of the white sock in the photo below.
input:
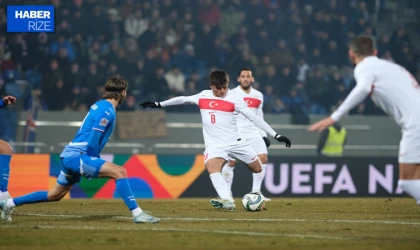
(10, 203)
(220, 185)
(227, 173)
(4, 195)
(411, 187)
(257, 179)
(136, 211)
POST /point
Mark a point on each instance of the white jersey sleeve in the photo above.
(364, 84)
(180, 100)
(260, 114)
(241, 107)
(390, 86)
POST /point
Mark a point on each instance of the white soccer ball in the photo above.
(253, 202)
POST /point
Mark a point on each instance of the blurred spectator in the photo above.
(295, 101)
(135, 24)
(209, 12)
(287, 79)
(176, 80)
(191, 88)
(269, 98)
(284, 42)
(129, 104)
(317, 93)
(62, 43)
(278, 107)
(156, 87)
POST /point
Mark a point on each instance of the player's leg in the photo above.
(119, 174)
(215, 158)
(409, 159)
(245, 153)
(55, 194)
(5, 157)
(227, 173)
(410, 180)
(258, 145)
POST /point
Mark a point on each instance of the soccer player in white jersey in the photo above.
(396, 91)
(220, 108)
(255, 136)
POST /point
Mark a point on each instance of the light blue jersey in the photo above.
(101, 117)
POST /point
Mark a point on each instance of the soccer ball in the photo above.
(253, 202)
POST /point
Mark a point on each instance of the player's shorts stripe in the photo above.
(252, 102)
(214, 104)
(78, 143)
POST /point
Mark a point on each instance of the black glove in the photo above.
(149, 104)
(284, 139)
(267, 142)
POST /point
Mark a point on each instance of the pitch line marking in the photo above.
(313, 236)
(241, 219)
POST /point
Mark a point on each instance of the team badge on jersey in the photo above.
(103, 122)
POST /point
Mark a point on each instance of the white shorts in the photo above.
(241, 151)
(257, 144)
(410, 146)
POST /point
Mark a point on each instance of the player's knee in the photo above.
(263, 159)
(120, 173)
(5, 148)
(257, 169)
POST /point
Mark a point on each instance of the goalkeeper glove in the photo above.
(149, 104)
(267, 142)
(284, 139)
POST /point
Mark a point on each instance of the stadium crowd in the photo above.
(297, 50)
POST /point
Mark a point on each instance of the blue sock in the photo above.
(4, 172)
(35, 197)
(124, 190)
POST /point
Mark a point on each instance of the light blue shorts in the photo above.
(73, 168)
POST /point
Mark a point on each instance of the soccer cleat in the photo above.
(264, 198)
(225, 204)
(3, 196)
(145, 218)
(6, 212)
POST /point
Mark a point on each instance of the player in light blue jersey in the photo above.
(5, 157)
(81, 157)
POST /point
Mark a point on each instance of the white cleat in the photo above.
(145, 218)
(264, 198)
(225, 204)
(6, 212)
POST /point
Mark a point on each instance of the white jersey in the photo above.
(255, 101)
(390, 86)
(219, 116)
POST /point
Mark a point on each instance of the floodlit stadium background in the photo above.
(296, 49)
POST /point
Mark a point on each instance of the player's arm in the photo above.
(241, 107)
(7, 100)
(359, 93)
(179, 100)
(100, 124)
(260, 114)
(322, 140)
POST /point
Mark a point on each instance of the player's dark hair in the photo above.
(114, 88)
(362, 46)
(244, 69)
(219, 78)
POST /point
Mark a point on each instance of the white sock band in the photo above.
(257, 179)
(220, 185)
(411, 187)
